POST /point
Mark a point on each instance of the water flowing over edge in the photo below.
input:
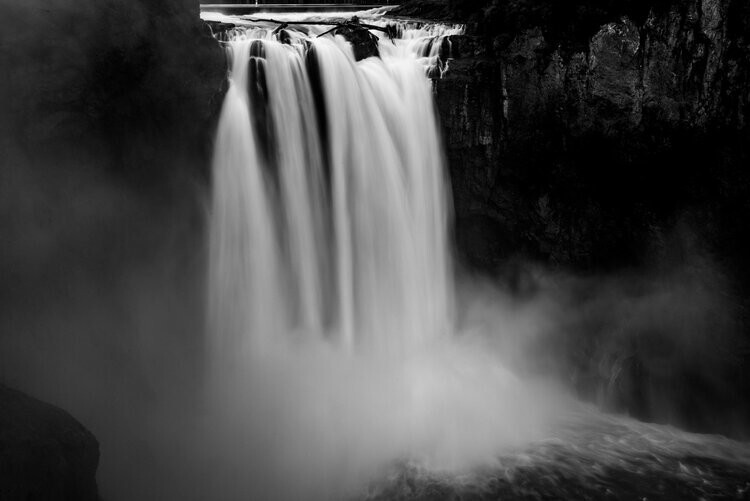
(330, 194)
(330, 264)
(348, 198)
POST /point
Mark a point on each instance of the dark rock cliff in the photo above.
(586, 135)
(45, 454)
(612, 139)
(586, 155)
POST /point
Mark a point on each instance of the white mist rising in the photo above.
(332, 339)
(102, 299)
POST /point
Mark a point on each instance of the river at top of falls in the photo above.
(332, 339)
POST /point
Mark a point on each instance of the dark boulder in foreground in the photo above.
(45, 454)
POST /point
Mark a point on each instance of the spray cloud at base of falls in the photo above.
(104, 315)
(331, 328)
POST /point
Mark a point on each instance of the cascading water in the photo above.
(335, 357)
(330, 281)
(342, 215)
(334, 364)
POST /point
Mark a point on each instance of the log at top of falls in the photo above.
(364, 43)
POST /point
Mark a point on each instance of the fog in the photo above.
(123, 359)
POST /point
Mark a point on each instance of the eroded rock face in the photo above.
(626, 150)
(579, 157)
(45, 454)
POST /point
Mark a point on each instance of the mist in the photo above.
(124, 359)
(313, 423)
(103, 264)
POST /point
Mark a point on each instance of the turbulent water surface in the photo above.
(335, 359)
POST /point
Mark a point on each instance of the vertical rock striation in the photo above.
(577, 153)
(612, 138)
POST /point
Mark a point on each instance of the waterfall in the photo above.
(332, 338)
(338, 366)
(330, 202)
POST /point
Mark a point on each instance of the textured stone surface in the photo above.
(45, 454)
(614, 145)
(578, 157)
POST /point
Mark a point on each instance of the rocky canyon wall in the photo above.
(592, 137)
(585, 153)
(610, 141)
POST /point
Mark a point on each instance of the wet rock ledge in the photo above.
(45, 454)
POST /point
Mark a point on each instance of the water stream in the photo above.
(332, 335)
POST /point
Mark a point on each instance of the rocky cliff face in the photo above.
(45, 455)
(582, 157)
(603, 145)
